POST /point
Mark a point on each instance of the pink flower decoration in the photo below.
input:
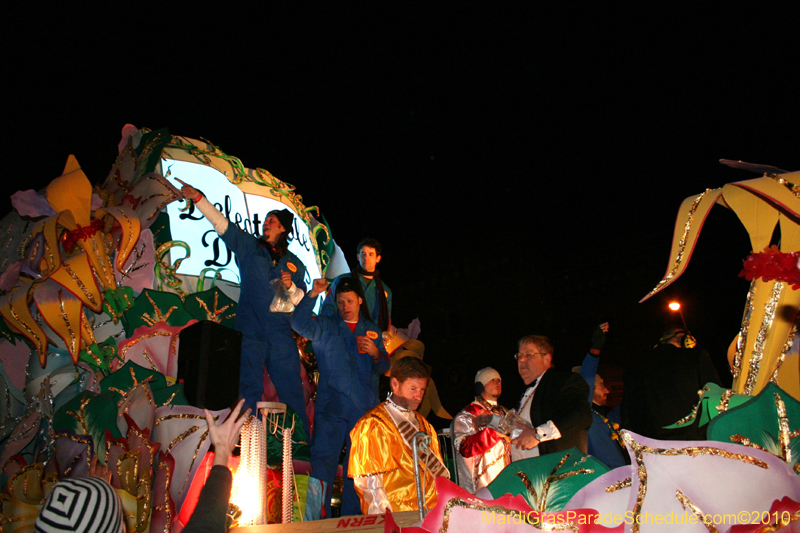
(781, 511)
(153, 347)
(182, 431)
(127, 131)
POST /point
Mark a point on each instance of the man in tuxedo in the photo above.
(555, 403)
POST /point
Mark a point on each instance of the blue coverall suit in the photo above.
(345, 393)
(266, 337)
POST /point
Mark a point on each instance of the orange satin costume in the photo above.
(378, 448)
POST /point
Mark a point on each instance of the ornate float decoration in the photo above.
(765, 350)
(96, 284)
(693, 486)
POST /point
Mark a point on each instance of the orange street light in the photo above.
(674, 306)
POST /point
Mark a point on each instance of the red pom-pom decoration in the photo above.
(70, 238)
(772, 264)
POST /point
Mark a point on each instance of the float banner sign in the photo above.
(246, 211)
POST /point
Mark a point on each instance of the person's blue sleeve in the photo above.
(589, 370)
(304, 322)
(329, 304)
(239, 242)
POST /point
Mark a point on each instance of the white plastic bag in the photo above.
(281, 302)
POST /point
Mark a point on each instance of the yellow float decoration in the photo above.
(760, 352)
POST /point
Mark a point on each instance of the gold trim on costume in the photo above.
(724, 401)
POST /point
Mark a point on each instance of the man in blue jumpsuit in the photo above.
(266, 336)
(377, 304)
(604, 442)
(349, 352)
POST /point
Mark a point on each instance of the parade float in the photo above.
(99, 282)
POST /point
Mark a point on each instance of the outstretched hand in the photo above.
(225, 436)
(189, 192)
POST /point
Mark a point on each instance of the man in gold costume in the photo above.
(381, 459)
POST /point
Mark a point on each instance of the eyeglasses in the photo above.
(522, 355)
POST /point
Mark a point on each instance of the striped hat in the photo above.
(85, 505)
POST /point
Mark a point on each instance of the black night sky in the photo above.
(522, 163)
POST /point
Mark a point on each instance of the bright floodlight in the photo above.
(674, 306)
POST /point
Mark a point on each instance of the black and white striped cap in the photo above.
(86, 505)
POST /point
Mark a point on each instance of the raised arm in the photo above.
(592, 359)
(303, 321)
(212, 505)
(329, 304)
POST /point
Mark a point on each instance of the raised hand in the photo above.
(189, 192)
(599, 337)
(320, 286)
(225, 436)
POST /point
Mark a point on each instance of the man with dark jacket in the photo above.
(661, 388)
(554, 403)
(377, 296)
